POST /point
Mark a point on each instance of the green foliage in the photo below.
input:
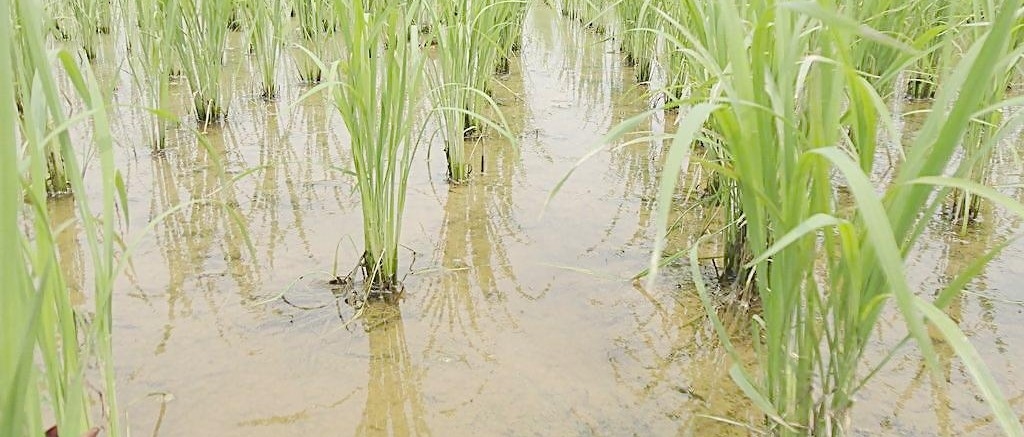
(468, 35)
(377, 87)
(153, 28)
(48, 343)
(266, 26)
(786, 94)
(201, 50)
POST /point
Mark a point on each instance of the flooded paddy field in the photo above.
(519, 314)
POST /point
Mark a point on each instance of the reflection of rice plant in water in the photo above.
(201, 50)
(377, 86)
(48, 343)
(394, 404)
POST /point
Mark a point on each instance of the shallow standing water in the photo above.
(512, 323)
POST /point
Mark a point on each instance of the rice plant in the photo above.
(467, 34)
(49, 343)
(59, 20)
(29, 63)
(638, 22)
(781, 116)
(266, 20)
(377, 86)
(91, 18)
(201, 50)
(152, 29)
(589, 13)
(509, 16)
(315, 22)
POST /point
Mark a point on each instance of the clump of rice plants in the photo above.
(315, 23)
(467, 34)
(91, 18)
(28, 62)
(921, 24)
(152, 28)
(49, 345)
(989, 128)
(589, 13)
(509, 16)
(201, 50)
(59, 20)
(266, 20)
(638, 22)
(377, 86)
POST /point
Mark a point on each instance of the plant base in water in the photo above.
(208, 111)
(354, 290)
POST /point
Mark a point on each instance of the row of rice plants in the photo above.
(792, 120)
(782, 89)
(49, 343)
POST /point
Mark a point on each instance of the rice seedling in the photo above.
(467, 34)
(201, 51)
(377, 86)
(92, 18)
(509, 16)
(639, 23)
(266, 20)
(38, 319)
(315, 18)
(152, 29)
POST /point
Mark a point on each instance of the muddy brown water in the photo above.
(513, 322)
